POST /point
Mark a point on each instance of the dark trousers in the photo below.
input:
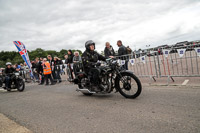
(125, 66)
(57, 76)
(54, 76)
(36, 76)
(47, 77)
(76, 69)
(42, 78)
(7, 80)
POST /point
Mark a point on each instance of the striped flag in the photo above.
(23, 52)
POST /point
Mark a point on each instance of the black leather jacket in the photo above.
(9, 70)
(89, 58)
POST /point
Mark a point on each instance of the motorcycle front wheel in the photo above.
(128, 85)
(20, 85)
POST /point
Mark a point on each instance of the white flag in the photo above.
(143, 59)
(166, 52)
(181, 52)
(132, 61)
(198, 51)
(122, 62)
(119, 61)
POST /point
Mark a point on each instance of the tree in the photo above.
(15, 57)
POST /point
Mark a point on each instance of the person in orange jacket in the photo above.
(47, 72)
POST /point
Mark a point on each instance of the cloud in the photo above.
(61, 24)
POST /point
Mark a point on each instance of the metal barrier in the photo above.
(174, 62)
(142, 64)
(181, 62)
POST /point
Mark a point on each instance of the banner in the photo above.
(142, 59)
(132, 61)
(119, 61)
(166, 52)
(181, 52)
(198, 51)
(23, 52)
(123, 62)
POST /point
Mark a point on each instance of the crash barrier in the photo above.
(174, 62)
(142, 64)
(180, 62)
(26, 75)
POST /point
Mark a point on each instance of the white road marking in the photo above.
(185, 82)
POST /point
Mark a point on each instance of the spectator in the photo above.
(17, 66)
(51, 61)
(26, 71)
(129, 50)
(66, 59)
(76, 62)
(57, 63)
(123, 51)
(1, 71)
(22, 66)
(70, 63)
(41, 59)
(108, 51)
(47, 71)
(70, 56)
(35, 74)
(62, 67)
(39, 69)
(66, 62)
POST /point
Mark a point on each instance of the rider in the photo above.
(8, 71)
(90, 58)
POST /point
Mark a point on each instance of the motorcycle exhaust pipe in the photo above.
(85, 91)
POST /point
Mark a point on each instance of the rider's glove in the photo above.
(98, 64)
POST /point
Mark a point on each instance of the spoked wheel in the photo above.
(129, 85)
(20, 85)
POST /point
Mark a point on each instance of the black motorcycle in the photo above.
(112, 77)
(16, 82)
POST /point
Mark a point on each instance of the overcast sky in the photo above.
(68, 24)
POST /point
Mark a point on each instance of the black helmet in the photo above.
(88, 43)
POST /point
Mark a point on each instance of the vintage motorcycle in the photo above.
(112, 77)
(16, 82)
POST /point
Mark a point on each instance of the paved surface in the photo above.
(60, 109)
(9, 126)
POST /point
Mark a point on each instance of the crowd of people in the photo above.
(51, 68)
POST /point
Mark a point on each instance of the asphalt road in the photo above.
(60, 109)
